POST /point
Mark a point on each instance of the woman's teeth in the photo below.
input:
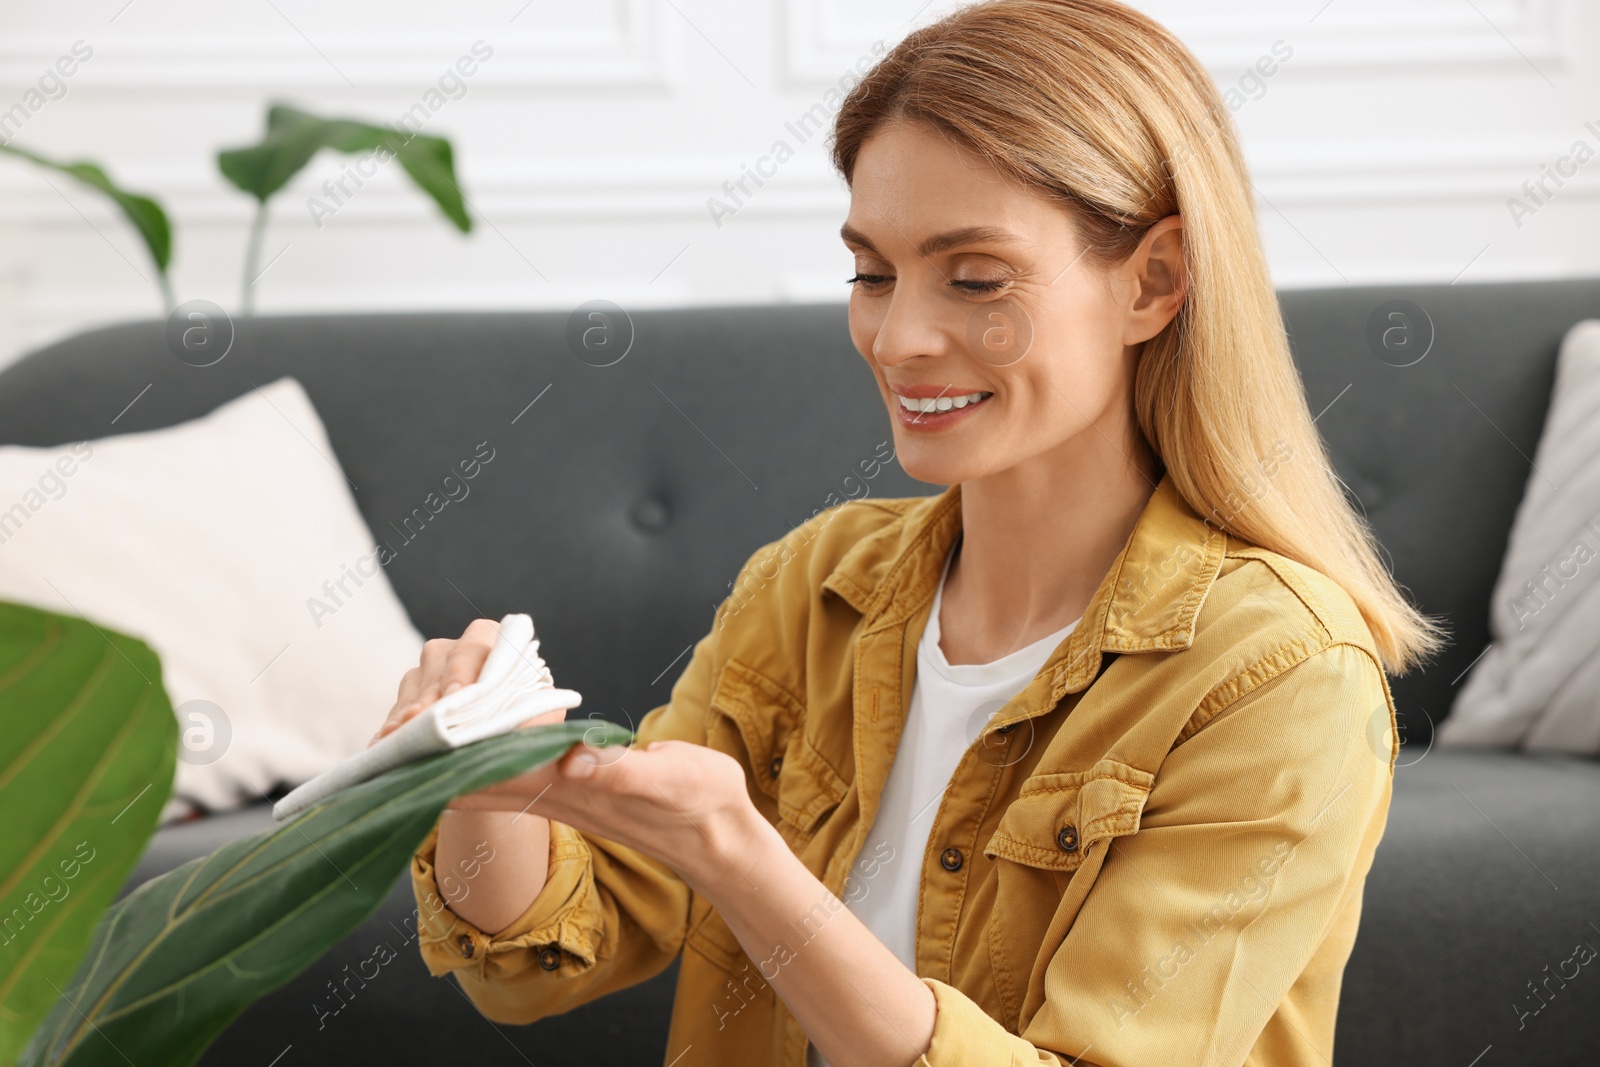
(942, 403)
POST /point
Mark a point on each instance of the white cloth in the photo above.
(950, 705)
(513, 686)
(1538, 685)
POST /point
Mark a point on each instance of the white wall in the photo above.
(1385, 149)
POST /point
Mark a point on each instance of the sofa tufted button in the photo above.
(651, 514)
(950, 859)
(1067, 838)
(466, 946)
(549, 958)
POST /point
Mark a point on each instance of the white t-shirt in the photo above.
(950, 705)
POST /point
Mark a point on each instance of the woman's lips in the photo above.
(957, 409)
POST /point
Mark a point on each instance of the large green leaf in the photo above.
(294, 136)
(175, 961)
(144, 213)
(431, 164)
(87, 740)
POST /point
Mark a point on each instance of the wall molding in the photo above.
(821, 38)
(629, 52)
(1315, 173)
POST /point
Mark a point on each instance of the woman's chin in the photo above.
(928, 465)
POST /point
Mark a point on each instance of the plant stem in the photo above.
(252, 256)
(166, 291)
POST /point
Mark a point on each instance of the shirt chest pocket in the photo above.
(760, 723)
(1057, 820)
(1048, 848)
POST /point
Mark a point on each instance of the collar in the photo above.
(1148, 601)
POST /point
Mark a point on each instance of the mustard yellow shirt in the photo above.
(1152, 857)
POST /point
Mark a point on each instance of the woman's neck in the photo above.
(1037, 540)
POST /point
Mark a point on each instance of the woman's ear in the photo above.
(1157, 276)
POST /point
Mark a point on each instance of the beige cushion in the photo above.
(213, 540)
(1538, 685)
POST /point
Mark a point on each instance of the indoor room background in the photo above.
(672, 153)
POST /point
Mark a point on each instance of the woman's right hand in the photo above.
(446, 666)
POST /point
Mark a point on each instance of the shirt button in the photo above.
(549, 958)
(1068, 839)
(1007, 728)
(466, 946)
(775, 766)
(950, 859)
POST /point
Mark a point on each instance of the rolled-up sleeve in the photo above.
(565, 917)
(1251, 853)
(608, 916)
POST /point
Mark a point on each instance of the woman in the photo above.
(1083, 760)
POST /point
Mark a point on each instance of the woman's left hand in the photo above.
(688, 807)
(683, 804)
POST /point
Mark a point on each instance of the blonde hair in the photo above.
(1102, 108)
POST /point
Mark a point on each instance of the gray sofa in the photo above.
(621, 504)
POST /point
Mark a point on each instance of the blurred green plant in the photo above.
(174, 962)
(144, 213)
(294, 136)
(86, 760)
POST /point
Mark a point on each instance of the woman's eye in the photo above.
(980, 286)
(868, 281)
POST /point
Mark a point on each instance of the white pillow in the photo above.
(212, 541)
(1538, 685)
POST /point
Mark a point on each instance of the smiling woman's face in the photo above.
(972, 292)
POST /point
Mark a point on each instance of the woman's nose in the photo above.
(912, 325)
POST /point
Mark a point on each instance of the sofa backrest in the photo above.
(620, 504)
(1436, 452)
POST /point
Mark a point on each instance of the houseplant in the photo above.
(158, 975)
(262, 169)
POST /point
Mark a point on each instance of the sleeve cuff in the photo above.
(965, 1036)
(560, 931)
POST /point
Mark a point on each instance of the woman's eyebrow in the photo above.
(942, 242)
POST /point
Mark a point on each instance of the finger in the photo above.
(395, 721)
(549, 782)
(445, 667)
(405, 705)
(435, 654)
(397, 718)
(465, 661)
(410, 686)
(482, 631)
(600, 766)
(602, 747)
